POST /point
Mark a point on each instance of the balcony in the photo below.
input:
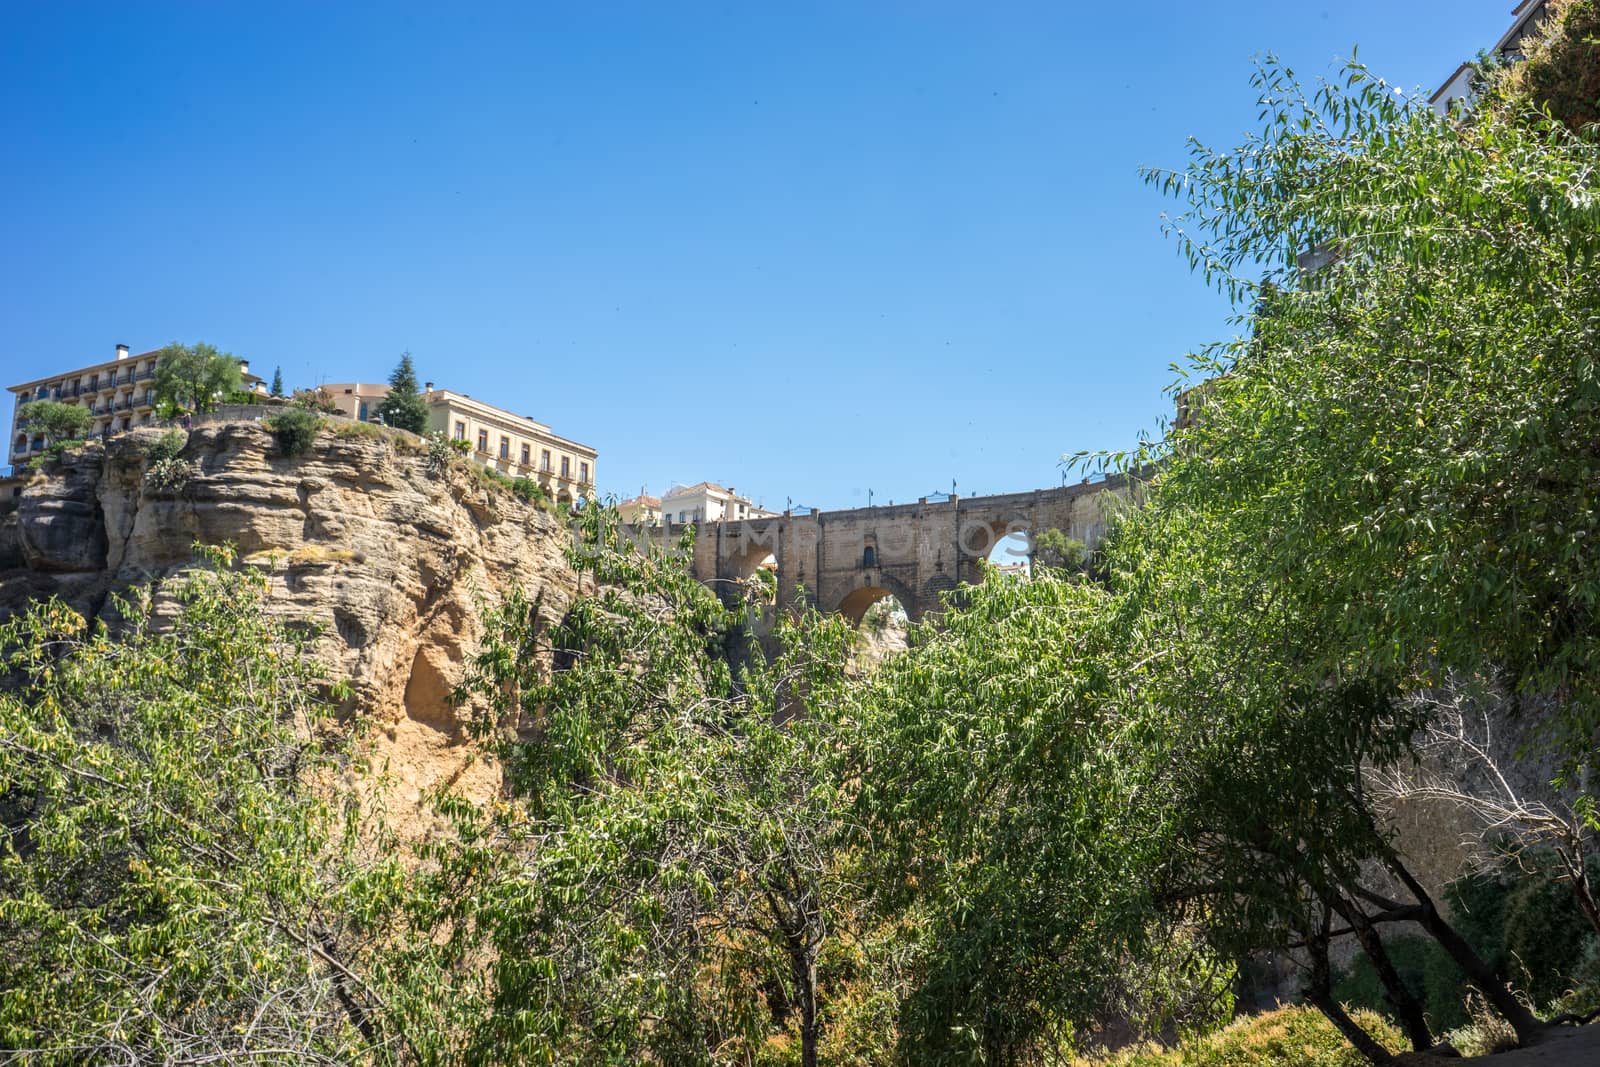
(145, 375)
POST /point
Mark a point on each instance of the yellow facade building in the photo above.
(515, 445)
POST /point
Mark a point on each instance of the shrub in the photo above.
(1562, 73)
(314, 400)
(296, 430)
(529, 491)
(490, 477)
(52, 454)
(169, 474)
(440, 453)
(167, 446)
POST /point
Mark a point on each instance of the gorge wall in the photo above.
(392, 562)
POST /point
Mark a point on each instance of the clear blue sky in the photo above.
(807, 249)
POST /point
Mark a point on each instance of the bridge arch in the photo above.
(853, 604)
(748, 557)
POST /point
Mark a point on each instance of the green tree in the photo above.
(1561, 76)
(404, 407)
(165, 866)
(675, 823)
(194, 376)
(1054, 549)
(1389, 481)
(277, 381)
(57, 421)
(1016, 823)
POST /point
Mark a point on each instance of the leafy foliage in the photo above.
(1052, 548)
(676, 827)
(168, 446)
(296, 431)
(161, 874)
(194, 376)
(1287, 1037)
(58, 422)
(1561, 76)
(529, 491)
(169, 474)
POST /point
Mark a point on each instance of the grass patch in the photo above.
(346, 429)
(1289, 1037)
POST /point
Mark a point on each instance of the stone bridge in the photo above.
(845, 561)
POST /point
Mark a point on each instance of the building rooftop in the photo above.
(117, 361)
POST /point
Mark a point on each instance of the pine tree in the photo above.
(277, 381)
(404, 406)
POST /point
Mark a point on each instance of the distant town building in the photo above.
(708, 502)
(1459, 87)
(120, 392)
(515, 445)
(357, 399)
(642, 510)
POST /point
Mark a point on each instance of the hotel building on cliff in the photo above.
(120, 393)
(515, 445)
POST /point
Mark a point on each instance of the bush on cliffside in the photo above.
(295, 430)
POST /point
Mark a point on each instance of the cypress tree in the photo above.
(404, 406)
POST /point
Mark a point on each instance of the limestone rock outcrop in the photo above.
(392, 562)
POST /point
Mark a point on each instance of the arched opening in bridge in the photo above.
(872, 600)
(1012, 553)
(755, 567)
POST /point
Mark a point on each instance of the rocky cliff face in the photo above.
(392, 562)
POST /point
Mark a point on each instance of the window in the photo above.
(505, 448)
(583, 474)
(461, 431)
(869, 557)
(483, 440)
(683, 516)
(525, 453)
(566, 466)
(544, 459)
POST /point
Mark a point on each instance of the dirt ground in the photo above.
(1576, 1046)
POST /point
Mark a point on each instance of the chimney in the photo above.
(122, 351)
(427, 387)
(244, 366)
